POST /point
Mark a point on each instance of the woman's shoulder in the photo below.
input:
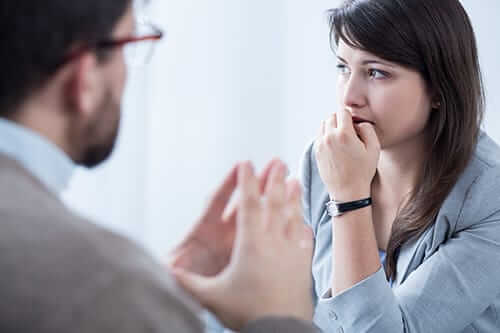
(315, 194)
(309, 171)
(487, 153)
(484, 167)
(476, 196)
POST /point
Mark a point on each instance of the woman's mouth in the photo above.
(358, 120)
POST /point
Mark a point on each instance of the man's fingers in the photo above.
(221, 196)
(294, 207)
(306, 242)
(276, 182)
(249, 204)
(232, 211)
(175, 260)
(264, 176)
(231, 215)
(197, 286)
(297, 230)
(276, 195)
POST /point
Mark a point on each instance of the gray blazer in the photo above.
(448, 279)
(60, 273)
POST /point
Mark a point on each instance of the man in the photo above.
(60, 91)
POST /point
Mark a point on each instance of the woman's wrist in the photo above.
(351, 194)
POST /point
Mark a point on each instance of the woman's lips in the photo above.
(358, 120)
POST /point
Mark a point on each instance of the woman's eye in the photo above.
(377, 74)
(342, 69)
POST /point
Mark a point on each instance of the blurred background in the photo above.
(233, 80)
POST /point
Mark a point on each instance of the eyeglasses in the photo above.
(137, 49)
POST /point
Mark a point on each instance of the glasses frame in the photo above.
(113, 43)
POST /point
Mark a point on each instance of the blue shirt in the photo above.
(38, 155)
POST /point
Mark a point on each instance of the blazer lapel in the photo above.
(407, 253)
(412, 253)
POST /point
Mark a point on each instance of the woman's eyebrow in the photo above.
(368, 62)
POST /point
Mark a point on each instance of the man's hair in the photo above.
(36, 36)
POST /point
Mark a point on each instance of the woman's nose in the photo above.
(354, 95)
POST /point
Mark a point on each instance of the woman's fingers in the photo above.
(368, 136)
(345, 123)
(331, 124)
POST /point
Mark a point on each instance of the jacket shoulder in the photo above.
(80, 275)
(480, 184)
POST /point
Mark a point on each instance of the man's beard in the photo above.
(102, 133)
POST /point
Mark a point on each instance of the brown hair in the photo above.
(435, 38)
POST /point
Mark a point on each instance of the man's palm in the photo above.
(207, 248)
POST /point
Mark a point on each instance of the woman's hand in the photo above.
(347, 157)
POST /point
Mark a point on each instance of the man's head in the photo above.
(59, 76)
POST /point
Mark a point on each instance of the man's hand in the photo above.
(269, 273)
(207, 248)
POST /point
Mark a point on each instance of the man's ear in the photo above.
(83, 84)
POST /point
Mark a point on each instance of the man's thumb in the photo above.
(198, 286)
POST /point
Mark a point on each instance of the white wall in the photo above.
(234, 80)
(484, 15)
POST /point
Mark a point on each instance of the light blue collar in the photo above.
(38, 155)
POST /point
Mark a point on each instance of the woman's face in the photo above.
(395, 99)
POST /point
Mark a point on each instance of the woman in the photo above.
(402, 189)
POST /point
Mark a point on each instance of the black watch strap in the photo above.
(335, 208)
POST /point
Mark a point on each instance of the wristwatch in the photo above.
(336, 208)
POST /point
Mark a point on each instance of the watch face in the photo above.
(335, 208)
(332, 209)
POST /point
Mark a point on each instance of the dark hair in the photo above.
(35, 37)
(436, 39)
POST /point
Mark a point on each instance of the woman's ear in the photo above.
(436, 100)
(436, 105)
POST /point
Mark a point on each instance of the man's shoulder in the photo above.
(27, 204)
(68, 266)
(20, 187)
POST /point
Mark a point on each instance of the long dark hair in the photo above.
(435, 38)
